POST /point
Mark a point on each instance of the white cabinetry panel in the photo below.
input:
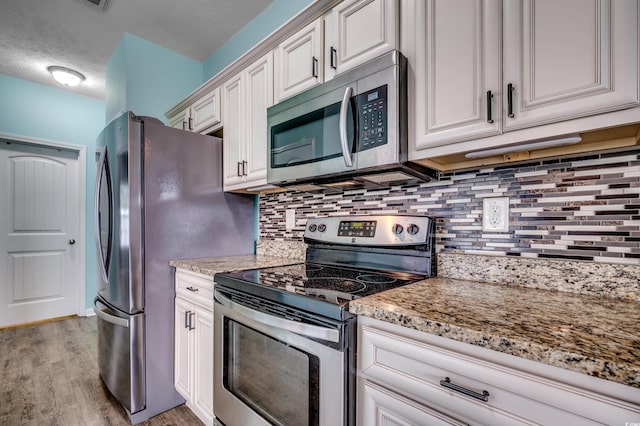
(193, 334)
(457, 63)
(299, 61)
(569, 58)
(348, 44)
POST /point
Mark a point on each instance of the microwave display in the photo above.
(372, 118)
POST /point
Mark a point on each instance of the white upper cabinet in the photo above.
(357, 31)
(246, 98)
(232, 106)
(299, 62)
(259, 97)
(457, 70)
(181, 120)
(352, 33)
(561, 60)
(202, 116)
(570, 58)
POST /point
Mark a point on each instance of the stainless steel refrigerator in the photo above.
(158, 197)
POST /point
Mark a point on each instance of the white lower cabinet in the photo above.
(406, 377)
(194, 342)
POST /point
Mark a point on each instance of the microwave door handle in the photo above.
(344, 109)
(307, 330)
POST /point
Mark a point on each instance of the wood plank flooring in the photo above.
(49, 376)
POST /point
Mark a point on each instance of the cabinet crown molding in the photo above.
(314, 11)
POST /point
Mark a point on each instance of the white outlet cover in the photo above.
(495, 214)
(290, 219)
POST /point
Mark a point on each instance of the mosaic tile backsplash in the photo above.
(582, 208)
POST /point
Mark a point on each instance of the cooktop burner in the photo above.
(347, 257)
(327, 283)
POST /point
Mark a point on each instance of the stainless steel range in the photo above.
(284, 349)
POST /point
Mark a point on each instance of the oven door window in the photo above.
(279, 382)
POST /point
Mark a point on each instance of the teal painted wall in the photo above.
(148, 79)
(276, 14)
(36, 111)
(115, 74)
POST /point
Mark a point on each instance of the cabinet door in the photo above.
(568, 59)
(259, 97)
(299, 62)
(378, 406)
(357, 31)
(205, 112)
(183, 351)
(232, 152)
(457, 63)
(203, 364)
(181, 121)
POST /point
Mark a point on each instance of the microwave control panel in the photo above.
(372, 118)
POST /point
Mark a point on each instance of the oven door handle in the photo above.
(307, 330)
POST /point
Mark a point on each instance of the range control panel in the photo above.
(383, 230)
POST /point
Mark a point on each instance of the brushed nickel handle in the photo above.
(484, 396)
(191, 326)
(187, 323)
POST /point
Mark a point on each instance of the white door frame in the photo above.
(82, 199)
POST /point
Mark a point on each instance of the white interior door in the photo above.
(40, 251)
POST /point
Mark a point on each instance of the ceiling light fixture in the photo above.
(546, 143)
(66, 76)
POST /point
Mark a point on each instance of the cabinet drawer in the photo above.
(195, 287)
(415, 369)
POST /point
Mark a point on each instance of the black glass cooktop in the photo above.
(318, 284)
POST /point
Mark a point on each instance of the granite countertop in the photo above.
(213, 265)
(587, 334)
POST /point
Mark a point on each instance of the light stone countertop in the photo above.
(213, 265)
(587, 334)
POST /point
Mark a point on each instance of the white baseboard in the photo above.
(89, 313)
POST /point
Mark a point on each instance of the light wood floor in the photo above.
(49, 376)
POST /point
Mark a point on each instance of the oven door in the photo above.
(265, 373)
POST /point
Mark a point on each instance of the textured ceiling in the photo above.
(73, 33)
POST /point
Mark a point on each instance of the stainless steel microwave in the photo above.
(348, 132)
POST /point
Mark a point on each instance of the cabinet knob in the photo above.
(72, 241)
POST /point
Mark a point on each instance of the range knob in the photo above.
(413, 229)
(397, 229)
(313, 227)
(322, 227)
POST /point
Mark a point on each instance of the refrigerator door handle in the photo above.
(96, 212)
(122, 322)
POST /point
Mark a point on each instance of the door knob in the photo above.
(72, 241)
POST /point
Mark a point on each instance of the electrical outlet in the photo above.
(495, 214)
(290, 219)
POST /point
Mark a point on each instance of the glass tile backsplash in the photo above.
(583, 208)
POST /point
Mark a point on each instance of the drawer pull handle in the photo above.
(484, 396)
(192, 289)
